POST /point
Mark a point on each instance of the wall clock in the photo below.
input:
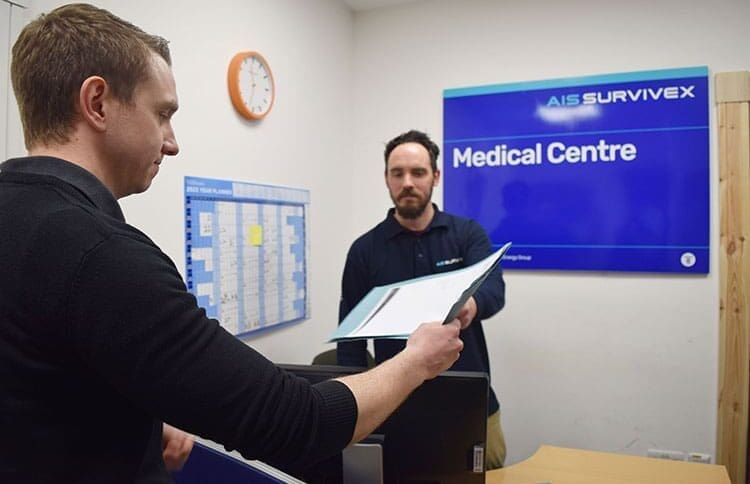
(251, 86)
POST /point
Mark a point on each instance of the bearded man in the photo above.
(417, 239)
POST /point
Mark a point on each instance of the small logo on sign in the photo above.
(687, 259)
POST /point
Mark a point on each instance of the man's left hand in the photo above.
(176, 446)
(467, 313)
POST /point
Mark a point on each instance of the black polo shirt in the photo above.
(391, 253)
(83, 181)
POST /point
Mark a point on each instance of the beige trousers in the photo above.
(495, 455)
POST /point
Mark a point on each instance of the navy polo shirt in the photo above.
(391, 253)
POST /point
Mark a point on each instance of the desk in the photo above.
(558, 465)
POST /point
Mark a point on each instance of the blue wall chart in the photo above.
(606, 172)
(246, 252)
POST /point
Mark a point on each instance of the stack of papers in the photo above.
(396, 310)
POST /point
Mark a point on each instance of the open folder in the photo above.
(395, 311)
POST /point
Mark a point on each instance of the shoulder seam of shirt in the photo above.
(81, 261)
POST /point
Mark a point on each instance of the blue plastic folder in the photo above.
(396, 310)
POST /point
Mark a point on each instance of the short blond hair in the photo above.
(57, 51)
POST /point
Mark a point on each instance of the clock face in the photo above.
(251, 85)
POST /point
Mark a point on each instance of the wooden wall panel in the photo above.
(733, 98)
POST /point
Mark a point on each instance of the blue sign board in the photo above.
(598, 173)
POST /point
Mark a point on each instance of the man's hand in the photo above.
(176, 446)
(467, 313)
(430, 350)
(434, 347)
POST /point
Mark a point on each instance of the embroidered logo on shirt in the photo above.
(449, 262)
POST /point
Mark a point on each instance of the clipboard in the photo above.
(456, 308)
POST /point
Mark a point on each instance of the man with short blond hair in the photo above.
(100, 342)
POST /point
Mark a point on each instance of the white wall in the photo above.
(602, 361)
(12, 19)
(4, 77)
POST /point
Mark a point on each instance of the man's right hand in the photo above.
(430, 350)
(433, 347)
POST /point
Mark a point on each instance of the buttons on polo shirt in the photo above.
(421, 262)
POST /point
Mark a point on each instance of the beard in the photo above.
(411, 208)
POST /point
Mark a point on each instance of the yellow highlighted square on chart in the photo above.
(255, 236)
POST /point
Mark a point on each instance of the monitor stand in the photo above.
(363, 463)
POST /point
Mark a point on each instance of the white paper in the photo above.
(421, 300)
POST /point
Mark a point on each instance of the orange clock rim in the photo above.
(233, 81)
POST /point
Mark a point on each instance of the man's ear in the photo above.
(436, 180)
(91, 100)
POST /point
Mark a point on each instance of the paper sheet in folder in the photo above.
(395, 311)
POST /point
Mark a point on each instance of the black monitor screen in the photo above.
(437, 435)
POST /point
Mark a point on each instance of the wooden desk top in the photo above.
(558, 465)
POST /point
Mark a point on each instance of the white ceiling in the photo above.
(360, 5)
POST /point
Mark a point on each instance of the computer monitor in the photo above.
(438, 435)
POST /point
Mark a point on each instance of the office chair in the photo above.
(328, 357)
